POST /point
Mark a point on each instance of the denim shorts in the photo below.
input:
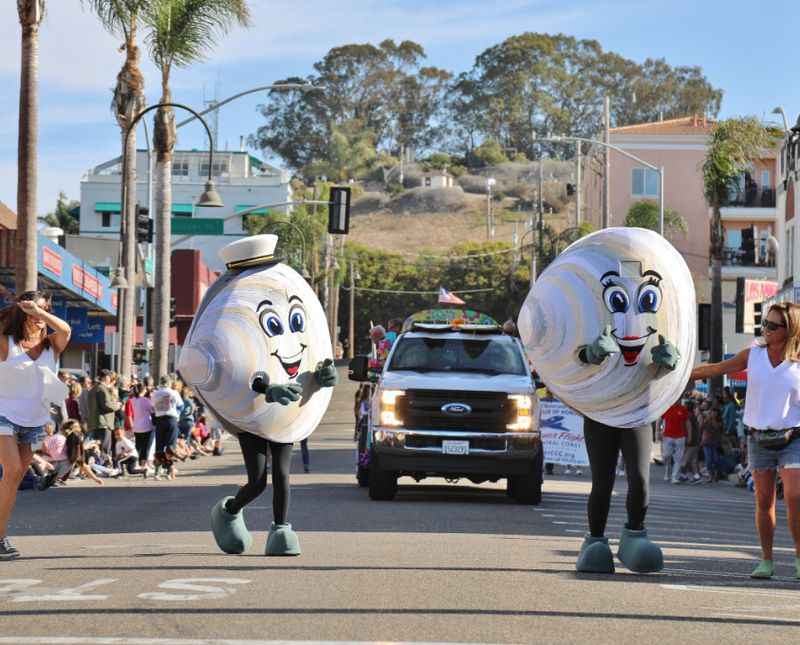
(766, 459)
(23, 434)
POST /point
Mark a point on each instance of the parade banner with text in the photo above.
(562, 434)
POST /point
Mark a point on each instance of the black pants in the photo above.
(603, 444)
(144, 440)
(254, 452)
(166, 433)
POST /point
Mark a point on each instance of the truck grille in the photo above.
(421, 409)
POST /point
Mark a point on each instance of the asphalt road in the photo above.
(134, 563)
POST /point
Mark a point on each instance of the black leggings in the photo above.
(603, 444)
(254, 451)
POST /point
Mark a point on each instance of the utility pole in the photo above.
(351, 336)
(607, 173)
(540, 224)
(578, 198)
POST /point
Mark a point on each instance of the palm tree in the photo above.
(180, 33)
(121, 18)
(30, 13)
(732, 147)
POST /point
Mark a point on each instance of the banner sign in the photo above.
(85, 329)
(562, 434)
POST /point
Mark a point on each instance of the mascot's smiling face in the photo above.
(284, 324)
(633, 298)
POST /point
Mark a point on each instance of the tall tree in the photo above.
(180, 32)
(733, 145)
(31, 13)
(122, 18)
(385, 88)
(62, 217)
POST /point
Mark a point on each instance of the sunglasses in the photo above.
(773, 326)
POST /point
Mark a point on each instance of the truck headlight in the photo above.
(389, 415)
(523, 409)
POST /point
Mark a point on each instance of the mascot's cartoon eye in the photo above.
(297, 320)
(616, 299)
(271, 324)
(649, 299)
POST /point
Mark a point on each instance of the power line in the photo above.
(417, 293)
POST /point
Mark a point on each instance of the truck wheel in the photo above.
(382, 483)
(527, 488)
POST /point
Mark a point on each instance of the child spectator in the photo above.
(126, 456)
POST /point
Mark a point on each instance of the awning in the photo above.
(107, 207)
(244, 207)
(182, 209)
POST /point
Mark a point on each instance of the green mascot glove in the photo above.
(326, 374)
(665, 354)
(605, 345)
(284, 394)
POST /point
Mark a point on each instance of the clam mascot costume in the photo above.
(610, 328)
(259, 356)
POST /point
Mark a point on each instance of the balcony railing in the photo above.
(754, 196)
(742, 258)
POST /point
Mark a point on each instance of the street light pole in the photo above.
(351, 335)
(607, 163)
(578, 181)
(209, 198)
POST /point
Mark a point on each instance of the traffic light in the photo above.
(757, 309)
(739, 305)
(144, 226)
(748, 247)
(570, 190)
(339, 210)
(172, 312)
(704, 327)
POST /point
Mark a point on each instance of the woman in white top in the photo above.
(771, 411)
(26, 344)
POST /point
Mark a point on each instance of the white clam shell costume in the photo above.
(261, 320)
(634, 281)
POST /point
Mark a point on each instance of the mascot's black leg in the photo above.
(281, 464)
(602, 446)
(282, 540)
(227, 519)
(636, 551)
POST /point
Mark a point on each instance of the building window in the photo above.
(106, 220)
(219, 168)
(644, 182)
(180, 169)
(427, 181)
(765, 182)
(789, 252)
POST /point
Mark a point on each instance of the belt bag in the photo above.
(776, 439)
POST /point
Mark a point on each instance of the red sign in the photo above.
(52, 261)
(87, 282)
(759, 290)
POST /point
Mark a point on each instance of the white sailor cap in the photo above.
(250, 251)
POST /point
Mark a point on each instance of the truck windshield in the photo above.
(483, 355)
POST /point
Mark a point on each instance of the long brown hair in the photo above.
(790, 313)
(12, 318)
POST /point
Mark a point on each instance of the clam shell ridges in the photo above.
(565, 310)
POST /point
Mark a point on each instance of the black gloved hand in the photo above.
(326, 373)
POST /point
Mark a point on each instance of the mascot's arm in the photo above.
(283, 394)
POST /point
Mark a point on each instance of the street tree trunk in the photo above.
(128, 102)
(164, 135)
(31, 13)
(715, 386)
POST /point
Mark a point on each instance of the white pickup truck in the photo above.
(454, 401)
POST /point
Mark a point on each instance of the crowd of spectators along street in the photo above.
(704, 440)
(112, 426)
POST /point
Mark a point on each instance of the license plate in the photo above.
(455, 447)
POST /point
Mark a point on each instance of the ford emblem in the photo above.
(456, 408)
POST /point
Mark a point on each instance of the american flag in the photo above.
(445, 297)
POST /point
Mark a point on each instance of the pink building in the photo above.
(749, 217)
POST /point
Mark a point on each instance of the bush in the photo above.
(437, 161)
(490, 153)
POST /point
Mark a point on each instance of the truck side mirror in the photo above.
(358, 370)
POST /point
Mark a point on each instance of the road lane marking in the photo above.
(122, 640)
(200, 591)
(74, 594)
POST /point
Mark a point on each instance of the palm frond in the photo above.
(116, 15)
(182, 31)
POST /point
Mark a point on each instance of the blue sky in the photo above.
(750, 51)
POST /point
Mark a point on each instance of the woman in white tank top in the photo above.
(772, 404)
(28, 355)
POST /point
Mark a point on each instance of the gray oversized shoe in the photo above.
(638, 553)
(282, 540)
(229, 530)
(595, 556)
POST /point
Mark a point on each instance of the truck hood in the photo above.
(509, 383)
